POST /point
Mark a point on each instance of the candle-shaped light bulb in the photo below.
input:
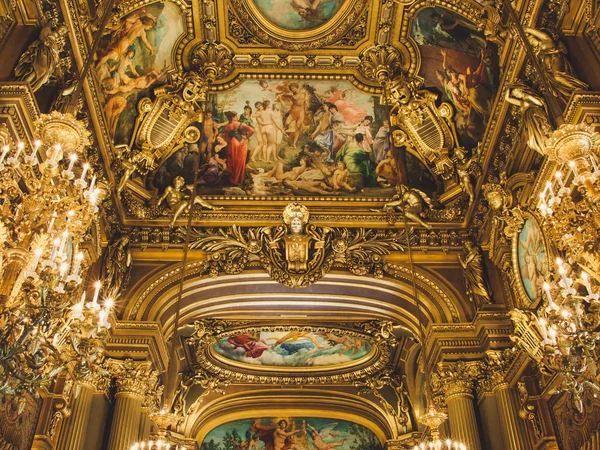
(36, 146)
(51, 224)
(20, 147)
(586, 282)
(57, 149)
(558, 176)
(63, 240)
(101, 319)
(573, 168)
(37, 253)
(93, 184)
(72, 159)
(81, 182)
(5, 150)
(77, 265)
(63, 269)
(56, 243)
(97, 286)
(108, 304)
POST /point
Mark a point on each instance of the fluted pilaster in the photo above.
(72, 434)
(458, 383)
(126, 421)
(513, 427)
(135, 380)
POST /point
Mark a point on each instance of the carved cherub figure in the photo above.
(411, 202)
(463, 170)
(138, 161)
(179, 201)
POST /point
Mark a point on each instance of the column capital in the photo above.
(137, 378)
(494, 369)
(456, 379)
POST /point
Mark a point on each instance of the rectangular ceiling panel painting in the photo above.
(132, 58)
(299, 137)
(457, 60)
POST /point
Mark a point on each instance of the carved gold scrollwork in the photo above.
(297, 254)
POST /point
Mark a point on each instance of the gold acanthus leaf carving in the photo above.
(361, 251)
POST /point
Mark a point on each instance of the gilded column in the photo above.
(72, 433)
(508, 403)
(458, 383)
(74, 430)
(134, 380)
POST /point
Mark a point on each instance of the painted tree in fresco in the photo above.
(364, 438)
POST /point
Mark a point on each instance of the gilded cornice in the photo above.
(142, 340)
(490, 330)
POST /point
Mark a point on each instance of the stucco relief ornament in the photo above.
(297, 253)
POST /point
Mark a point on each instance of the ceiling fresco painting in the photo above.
(294, 348)
(457, 60)
(297, 433)
(133, 58)
(323, 138)
(299, 14)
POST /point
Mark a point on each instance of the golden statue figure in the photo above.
(179, 201)
(534, 114)
(476, 286)
(411, 202)
(553, 58)
(297, 242)
(41, 60)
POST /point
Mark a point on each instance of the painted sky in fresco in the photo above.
(293, 348)
(298, 15)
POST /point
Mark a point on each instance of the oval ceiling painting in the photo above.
(298, 15)
(300, 433)
(294, 348)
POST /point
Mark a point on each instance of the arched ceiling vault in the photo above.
(314, 403)
(340, 295)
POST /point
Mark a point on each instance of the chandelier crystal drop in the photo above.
(48, 202)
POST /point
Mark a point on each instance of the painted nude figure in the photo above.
(179, 202)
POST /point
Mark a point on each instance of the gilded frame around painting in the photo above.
(205, 357)
(531, 257)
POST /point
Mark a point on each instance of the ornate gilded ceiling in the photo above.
(314, 77)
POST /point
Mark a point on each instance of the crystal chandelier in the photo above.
(162, 440)
(562, 335)
(47, 205)
(433, 419)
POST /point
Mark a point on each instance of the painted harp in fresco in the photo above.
(427, 129)
(165, 124)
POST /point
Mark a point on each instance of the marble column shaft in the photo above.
(125, 425)
(73, 431)
(513, 427)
